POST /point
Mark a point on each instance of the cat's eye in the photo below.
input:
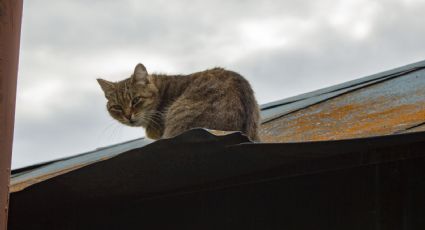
(136, 100)
(116, 108)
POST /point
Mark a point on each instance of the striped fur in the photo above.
(167, 105)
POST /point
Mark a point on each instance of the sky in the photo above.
(283, 48)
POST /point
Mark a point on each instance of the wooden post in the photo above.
(10, 31)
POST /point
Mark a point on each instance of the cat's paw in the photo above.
(153, 133)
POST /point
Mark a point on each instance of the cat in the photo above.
(167, 105)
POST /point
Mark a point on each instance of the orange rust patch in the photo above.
(343, 122)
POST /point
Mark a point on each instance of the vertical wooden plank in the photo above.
(10, 30)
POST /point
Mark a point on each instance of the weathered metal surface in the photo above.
(417, 128)
(279, 108)
(395, 105)
(10, 29)
(46, 171)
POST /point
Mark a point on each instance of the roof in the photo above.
(201, 181)
(24, 177)
(386, 103)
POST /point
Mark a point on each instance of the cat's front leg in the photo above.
(154, 132)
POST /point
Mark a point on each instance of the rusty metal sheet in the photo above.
(279, 108)
(271, 113)
(388, 107)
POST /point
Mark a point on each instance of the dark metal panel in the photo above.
(27, 176)
(392, 106)
(200, 181)
(48, 170)
(10, 29)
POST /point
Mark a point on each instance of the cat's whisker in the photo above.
(112, 135)
(106, 128)
(151, 117)
(156, 114)
(153, 123)
(117, 133)
(102, 134)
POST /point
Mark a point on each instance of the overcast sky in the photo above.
(283, 48)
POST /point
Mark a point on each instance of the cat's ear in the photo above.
(140, 75)
(106, 86)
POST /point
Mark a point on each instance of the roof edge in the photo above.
(355, 82)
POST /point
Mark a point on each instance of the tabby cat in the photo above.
(167, 105)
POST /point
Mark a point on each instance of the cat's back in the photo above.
(216, 99)
(218, 81)
(216, 74)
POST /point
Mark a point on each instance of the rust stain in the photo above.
(343, 122)
(389, 120)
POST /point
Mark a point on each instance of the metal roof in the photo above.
(200, 181)
(24, 177)
(385, 103)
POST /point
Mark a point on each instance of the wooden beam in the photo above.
(10, 30)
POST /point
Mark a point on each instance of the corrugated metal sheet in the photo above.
(382, 104)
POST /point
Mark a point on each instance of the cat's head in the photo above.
(132, 101)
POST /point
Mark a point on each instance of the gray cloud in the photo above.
(283, 47)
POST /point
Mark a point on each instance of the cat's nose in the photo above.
(130, 118)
